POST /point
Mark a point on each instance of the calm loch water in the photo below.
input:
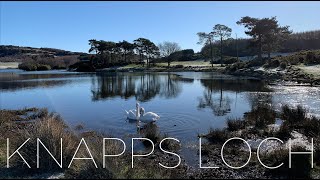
(189, 103)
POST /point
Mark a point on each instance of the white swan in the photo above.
(139, 114)
(134, 113)
(131, 114)
(148, 117)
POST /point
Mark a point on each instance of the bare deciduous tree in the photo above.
(167, 48)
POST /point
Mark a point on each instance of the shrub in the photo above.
(43, 67)
(300, 164)
(169, 144)
(33, 66)
(297, 119)
(311, 57)
(58, 67)
(43, 62)
(235, 124)
(151, 132)
(179, 66)
(283, 65)
(284, 132)
(217, 135)
(261, 116)
(273, 63)
(230, 60)
(60, 62)
(301, 59)
(28, 66)
(183, 55)
(294, 116)
(293, 59)
(234, 67)
(256, 62)
(82, 67)
(311, 127)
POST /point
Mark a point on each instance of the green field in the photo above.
(5, 65)
(313, 69)
(188, 63)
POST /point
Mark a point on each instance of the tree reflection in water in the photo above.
(221, 105)
(218, 101)
(146, 86)
(142, 86)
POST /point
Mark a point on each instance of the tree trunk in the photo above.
(211, 53)
(141, 59)
(269, 52)
(260, 48)
(111, 58)
(103, 59)
(221, 51)
(220, 93)
(237, 49)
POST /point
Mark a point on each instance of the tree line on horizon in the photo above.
(266, 36)
(124, 52)
(309, 40)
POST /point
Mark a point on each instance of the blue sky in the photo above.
(69, 25)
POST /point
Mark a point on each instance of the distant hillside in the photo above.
(10, 50)
(31, 59)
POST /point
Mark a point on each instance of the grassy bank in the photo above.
(259, 124)
(198, 65)
(19, 125)
(313, 70)
(301, 67)
(9, 65)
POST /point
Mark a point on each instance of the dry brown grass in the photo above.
(50, 128)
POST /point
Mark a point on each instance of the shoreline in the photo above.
(293, 75)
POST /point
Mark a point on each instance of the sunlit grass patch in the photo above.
(313, 70)
(132, 66)
(188, 63)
